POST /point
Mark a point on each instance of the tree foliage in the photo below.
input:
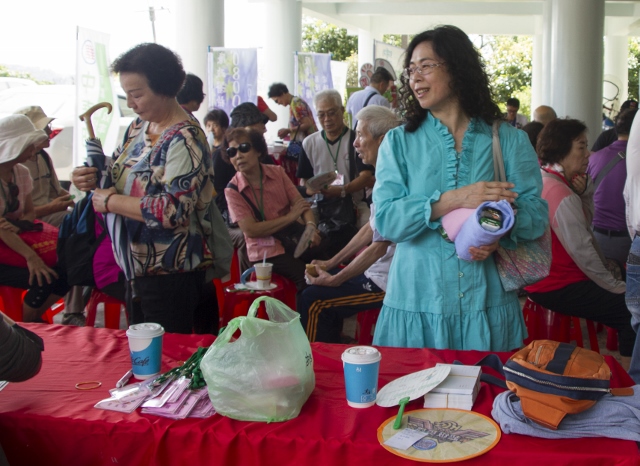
(633, 65)
(321, 37)
(7, 73)
(508, 60)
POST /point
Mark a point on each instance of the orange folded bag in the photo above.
(554, 379)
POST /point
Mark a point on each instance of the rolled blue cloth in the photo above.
(473, 235)
(612, 416)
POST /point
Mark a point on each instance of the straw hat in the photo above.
(37, 116)
(16, 134)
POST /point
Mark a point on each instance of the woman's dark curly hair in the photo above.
(255, 138)
(162, 67)
(469, 80)
(556, 139)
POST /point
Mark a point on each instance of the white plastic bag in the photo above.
(267, 373)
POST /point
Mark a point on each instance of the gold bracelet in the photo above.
(92, 385)
(311, 223)
(106, 202)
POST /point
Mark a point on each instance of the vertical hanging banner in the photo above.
(232, 77)
(312, 75)
(392, 54)
(94, 85)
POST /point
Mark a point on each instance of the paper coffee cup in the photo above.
(145, 347)
(263, 274)
(361, 365)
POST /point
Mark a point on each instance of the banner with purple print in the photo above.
(232, 77)
(313, 74)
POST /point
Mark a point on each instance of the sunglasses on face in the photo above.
(233, 151)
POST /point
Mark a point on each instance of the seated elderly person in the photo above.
(247, 116)
(361, 285)
(263, 201)
(579, 283)
(50, 202)
(331, 150)
(18, 142)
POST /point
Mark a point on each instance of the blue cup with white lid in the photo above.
(361, 366)
(145, 347)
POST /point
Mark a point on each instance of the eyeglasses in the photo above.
(422, 70)
(13, 203)
(328, 114)
(233, 151)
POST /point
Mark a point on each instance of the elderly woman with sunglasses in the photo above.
(18, 142)
(440, 161)
(158, 206)
(260, 190)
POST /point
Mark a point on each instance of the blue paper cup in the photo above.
(361, 365)
(145, 347)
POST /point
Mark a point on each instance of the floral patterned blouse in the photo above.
(174, 179)
(298, 110)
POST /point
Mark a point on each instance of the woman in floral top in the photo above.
(161, 189)
(301, 122)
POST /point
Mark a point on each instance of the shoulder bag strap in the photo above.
(366, 102)
(607, 168)
(498, 162)
(256, 212)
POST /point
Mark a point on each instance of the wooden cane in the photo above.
(86, 116)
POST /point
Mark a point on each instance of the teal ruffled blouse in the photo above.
(434, 299)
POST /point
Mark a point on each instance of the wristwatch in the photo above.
(343, 192)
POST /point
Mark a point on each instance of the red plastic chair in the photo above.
(12, 299)
(365, 326)
(12, 302)
(237, 302)
(544, 324)
(112, 309)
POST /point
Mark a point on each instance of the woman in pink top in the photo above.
(263, 200)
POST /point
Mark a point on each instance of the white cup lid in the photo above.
(145, 330)
(361, 355)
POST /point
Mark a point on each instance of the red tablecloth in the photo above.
(47, 421)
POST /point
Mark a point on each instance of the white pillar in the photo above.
(199, 23)
(547, 37)
(282, 41)
(538, 77)
(616, 50)
(577, 50)
(365, 48)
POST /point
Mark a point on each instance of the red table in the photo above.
(47, 421)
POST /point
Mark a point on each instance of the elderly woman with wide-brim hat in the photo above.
(18, 142)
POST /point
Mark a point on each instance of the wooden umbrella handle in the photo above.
(86, 116)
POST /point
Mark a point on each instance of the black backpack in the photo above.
(77, 243)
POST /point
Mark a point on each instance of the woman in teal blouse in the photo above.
(441, 160)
